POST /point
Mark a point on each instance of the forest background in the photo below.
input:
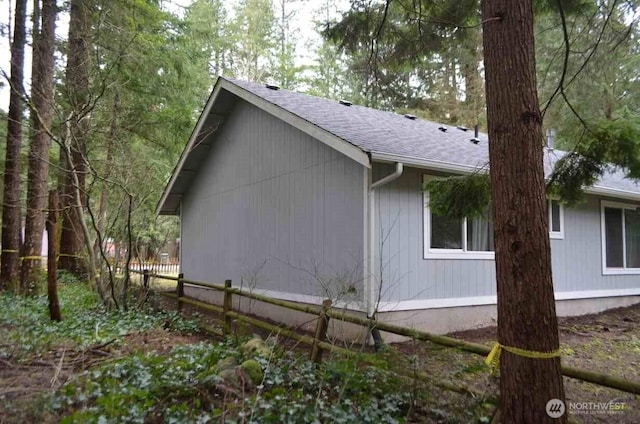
(131, 77)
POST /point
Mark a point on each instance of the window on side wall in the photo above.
(555, 211)
(620, 238)
(450, 238)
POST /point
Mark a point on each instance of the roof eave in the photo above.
(441, 166)
(331, 140)
(187, 149)
(613, 192)
(433, 165)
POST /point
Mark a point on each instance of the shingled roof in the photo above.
(362, 133)
(377, 131)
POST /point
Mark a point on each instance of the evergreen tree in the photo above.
(209, 36)
(72, 256)
(9, 257)
(41, 110)
(526, 306)
(286, 72)
(254, 27)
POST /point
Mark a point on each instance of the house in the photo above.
(304, 198)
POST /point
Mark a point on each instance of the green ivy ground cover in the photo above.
(25, 327)
(185, 384)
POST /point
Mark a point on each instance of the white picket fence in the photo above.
(169, 267)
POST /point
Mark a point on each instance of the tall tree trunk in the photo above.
(10, 255)
(72, 258)
(102, 208)
(52, 255)
(526, 307)
(41, 112)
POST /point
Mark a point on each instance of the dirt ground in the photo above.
(26, 386)
(608, 342)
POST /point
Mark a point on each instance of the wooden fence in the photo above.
(171, 266)
(324, 313)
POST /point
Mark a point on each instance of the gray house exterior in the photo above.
(304, 198)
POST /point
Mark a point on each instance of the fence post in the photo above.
(321, 332)
(180, 291)
(145, 278)
(226, 307)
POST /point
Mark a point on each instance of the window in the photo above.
(472, 238)
(556, 219)
(620, 238)
(449, 238)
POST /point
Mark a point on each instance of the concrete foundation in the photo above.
(437, 320)
(447, 320)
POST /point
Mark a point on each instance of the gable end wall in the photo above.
(274, 209)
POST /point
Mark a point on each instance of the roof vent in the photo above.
(410, 116)
(345, 102)
(461, 128)
(442, 128)
(475, 139)
(272, 87)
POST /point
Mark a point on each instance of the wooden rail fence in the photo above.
(319, 344)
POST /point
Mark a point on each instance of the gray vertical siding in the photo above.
(406, 275)
(274, 208)
(577, 260)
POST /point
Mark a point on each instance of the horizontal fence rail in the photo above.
(325, 313)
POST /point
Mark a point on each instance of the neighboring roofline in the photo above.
(331, 140)
(434, 165)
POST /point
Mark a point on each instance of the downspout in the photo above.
(371, 275)
(180, 237)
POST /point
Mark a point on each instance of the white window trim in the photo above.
(559, 235)
(432, 253)
(605, 269)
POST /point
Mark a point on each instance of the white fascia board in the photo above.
(433, 165)
(187, 149)
(467, 169)
(303, 125)
(612, 192)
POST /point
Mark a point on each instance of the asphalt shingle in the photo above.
(382, 132)
(378, 131)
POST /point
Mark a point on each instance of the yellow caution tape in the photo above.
(31, 258)
(493, 359)
(10, 251)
